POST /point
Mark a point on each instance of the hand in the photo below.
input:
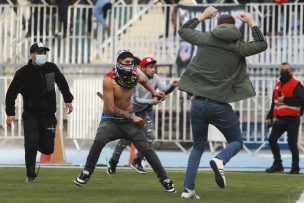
(156, 101)
(160, 95)
(268, 122)
(281, 98)
(10, 120)
(139, 122)
(175, 83)
(208, 13)
(108, 30)
(69, 107)
(247, 18)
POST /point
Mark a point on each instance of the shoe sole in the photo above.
(78, 184)
(110, 173)
(138, 171)
(218, 177)
(30, 182)
(277, 171)
(184, 196)
(173, 190)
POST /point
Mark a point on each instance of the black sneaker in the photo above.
(32, 175)
(111, 169)
(138, 167)
(83, 178)
(295, 169)
(276, 167)
(168, 185)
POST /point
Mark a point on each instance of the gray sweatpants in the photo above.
(112, 129)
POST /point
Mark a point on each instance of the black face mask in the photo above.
(285, 76)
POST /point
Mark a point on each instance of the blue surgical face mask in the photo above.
(41, 59)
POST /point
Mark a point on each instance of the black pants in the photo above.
(291, 126)
(39, 134)
(112, 129)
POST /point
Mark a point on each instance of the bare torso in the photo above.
(121, 96)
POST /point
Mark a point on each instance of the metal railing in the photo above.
(145, 29)
(172, 123)
(282, 25)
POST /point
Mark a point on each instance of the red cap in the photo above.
(147, 60)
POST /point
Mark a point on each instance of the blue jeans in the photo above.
(222, 117)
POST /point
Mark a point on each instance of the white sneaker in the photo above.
(218, 169)
(30, 180)
(189, 194)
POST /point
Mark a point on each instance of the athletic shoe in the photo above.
(218, 169)
(295, 169)
(30, 180)
(276, 167)
(168, 185)
(138, 167)
(83, 178)
(189, 194)
(111, 169)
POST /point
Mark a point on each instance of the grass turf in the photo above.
(55, 185)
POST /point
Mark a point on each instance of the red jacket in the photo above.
(281, 1)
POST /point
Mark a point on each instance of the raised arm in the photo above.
(258, 44)
(166, 88)
(188, 32)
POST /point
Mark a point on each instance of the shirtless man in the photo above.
(118, 121)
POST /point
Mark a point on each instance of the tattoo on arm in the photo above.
(148, 86)
(143, 81)
(121, 113)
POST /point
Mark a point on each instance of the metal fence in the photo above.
(172, 123)
(145, 29)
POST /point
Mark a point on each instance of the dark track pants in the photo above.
(39, 135)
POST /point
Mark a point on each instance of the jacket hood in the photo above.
(227, 32)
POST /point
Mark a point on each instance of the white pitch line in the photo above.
(301, 199)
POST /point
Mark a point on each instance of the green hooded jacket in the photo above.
(218, 69)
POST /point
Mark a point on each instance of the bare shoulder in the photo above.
(107, 82)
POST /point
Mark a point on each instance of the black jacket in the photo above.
(297, 100)
(37, 86)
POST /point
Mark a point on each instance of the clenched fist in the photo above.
(208, 13)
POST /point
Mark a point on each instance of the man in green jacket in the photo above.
(215, 77)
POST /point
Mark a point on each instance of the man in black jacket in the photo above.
(284, 116)
(36, 83)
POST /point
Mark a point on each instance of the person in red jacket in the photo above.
(284, 116)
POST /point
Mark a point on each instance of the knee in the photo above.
(239, 144)
(48, 151)
(144, 147)
(272, 140)
(100, 143)
(199, 145)
(292, 145)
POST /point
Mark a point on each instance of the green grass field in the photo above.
(55, 185)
